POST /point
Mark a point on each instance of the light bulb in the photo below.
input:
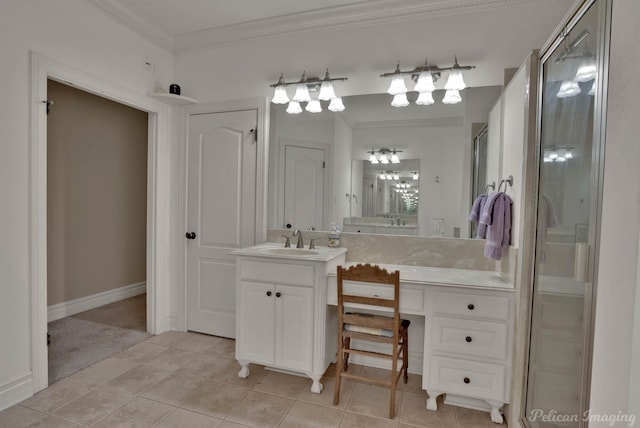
(280, 95)
(383, 177)
(561, 159)
(400, 100)
(294, 107)
(553, 155)
(302, 91)
(568, 155)
(336, 104)
(326, 91)
(384, 159)
(425, 82)
(425, 99)
(396, 177)
(313, 106)
(452, 96)
(395, 158)
(587, 70)
(568, 88)
(455, 80)
(415, 176)
(389, 177)
(372, 158)
(397, 85)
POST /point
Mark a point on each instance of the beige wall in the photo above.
(97, 194)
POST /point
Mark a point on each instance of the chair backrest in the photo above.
(369, 274)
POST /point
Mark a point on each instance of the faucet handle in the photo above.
(312, 243)
(287, 243)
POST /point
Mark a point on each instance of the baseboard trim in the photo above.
(15, 390)
(72, 307)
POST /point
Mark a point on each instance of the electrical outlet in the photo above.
(437, 225)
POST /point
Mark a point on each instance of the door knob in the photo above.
(191, 235)
(278, 294)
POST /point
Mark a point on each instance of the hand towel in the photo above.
(476, 209)
(499, 230)
(487, 209)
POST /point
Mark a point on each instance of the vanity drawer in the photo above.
(277, 273)
(469, 337)
(471, 305)
(411, 299)
(468, 378)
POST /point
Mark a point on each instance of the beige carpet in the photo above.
(92, 336)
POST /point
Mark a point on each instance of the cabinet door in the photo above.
(294, 328)
(256, 322)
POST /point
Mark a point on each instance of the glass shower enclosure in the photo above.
(570, 117)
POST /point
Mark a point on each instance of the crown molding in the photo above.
(115, 10)
(356, 15)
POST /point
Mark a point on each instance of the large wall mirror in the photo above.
(320, 169)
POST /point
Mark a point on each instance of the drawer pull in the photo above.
(468, 339)
(471, 306)
(269, 293)
(467, 380)
(278, 294)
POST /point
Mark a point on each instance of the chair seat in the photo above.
(373, 331)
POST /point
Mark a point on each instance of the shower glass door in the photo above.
(567, 229)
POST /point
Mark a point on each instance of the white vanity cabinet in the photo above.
(470, 335)
(281, 309)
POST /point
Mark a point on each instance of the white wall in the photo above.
(341, 171)
(494, 136)
(513, 143)
(615, 369)
(80, 37)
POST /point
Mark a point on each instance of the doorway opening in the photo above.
(96, 228)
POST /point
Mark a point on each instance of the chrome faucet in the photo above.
(300, 243)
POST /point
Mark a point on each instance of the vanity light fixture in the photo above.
(386, 156)
(424, 77)
(304, 87)
(584, 69)
(558, 154)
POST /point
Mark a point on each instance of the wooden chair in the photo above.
(373, 328)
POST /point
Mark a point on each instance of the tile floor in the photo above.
(189, 380)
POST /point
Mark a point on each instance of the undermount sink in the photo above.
(291, 252)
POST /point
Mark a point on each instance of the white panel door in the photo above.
(304, 187)
(221, 214)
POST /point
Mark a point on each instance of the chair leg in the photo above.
(405, 355)
(394, 382)
(336, 393)
(347, 345)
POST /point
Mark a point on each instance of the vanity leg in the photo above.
(244, 371)
(316, 387)
(432, 403)
(496, 416)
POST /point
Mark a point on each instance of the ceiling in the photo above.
(188, 24)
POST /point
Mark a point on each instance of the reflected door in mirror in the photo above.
(304, 187)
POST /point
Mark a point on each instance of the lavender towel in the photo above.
(486, 216)
(476, 209)
(499, 229)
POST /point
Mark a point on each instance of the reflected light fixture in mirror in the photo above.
(304, 87)
(424, 78)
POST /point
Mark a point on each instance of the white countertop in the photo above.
(324, 254)
(450, 277)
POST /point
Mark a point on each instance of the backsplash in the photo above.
(404, 250)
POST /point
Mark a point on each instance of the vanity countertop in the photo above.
(278, 251)
(466, 278)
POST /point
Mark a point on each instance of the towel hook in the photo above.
(491, 185)
(507, 181)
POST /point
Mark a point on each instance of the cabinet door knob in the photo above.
(278, 294)
(468, 339)
(471, 306)
(190, 235)
(467, 380)
(269, 293)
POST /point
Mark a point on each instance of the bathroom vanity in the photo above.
(281, 308)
